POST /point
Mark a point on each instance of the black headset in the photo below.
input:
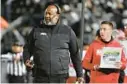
(58, 9)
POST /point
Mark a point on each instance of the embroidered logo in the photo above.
(99, 52)
(43, 33)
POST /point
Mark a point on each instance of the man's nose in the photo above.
(101, 31)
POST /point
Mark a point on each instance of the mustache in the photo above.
(47, 18)
(47, 22)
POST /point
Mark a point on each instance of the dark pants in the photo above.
(86, 76)
(41, 77)
(121, 76)
(51, 79)
(29, 77)
(15, 79)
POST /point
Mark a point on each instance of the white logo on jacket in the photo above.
(99, 52)
(43, 33)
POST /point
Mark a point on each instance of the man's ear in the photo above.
(57, 17)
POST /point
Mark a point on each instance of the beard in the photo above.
(50, 23)
(47, 22)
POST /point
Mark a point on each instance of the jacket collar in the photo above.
(103, 42)
(54, 28)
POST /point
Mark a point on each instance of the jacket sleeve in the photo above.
(87, 61)
(74, 54)
(28, 48)
(124, 61)
(7, 56)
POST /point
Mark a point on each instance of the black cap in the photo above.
(17, 44)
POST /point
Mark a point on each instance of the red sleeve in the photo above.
(124, 61)
(86, 63)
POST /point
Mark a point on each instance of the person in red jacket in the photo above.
(3, 23)
(92, 58)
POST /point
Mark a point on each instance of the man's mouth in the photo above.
(47, 19)
(101, 35)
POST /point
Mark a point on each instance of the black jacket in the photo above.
(52, 48)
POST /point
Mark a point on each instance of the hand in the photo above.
(80, 80)
(29, 64)
(118, 64)
(96, 67)
(17, 58)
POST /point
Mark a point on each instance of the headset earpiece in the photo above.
(58, 9)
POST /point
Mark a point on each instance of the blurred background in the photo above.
(18, 17)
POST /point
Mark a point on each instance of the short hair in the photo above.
(107, 22)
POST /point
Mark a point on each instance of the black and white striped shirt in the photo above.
(13, 67)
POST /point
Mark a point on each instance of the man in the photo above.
(92, 59)
(52, 45)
